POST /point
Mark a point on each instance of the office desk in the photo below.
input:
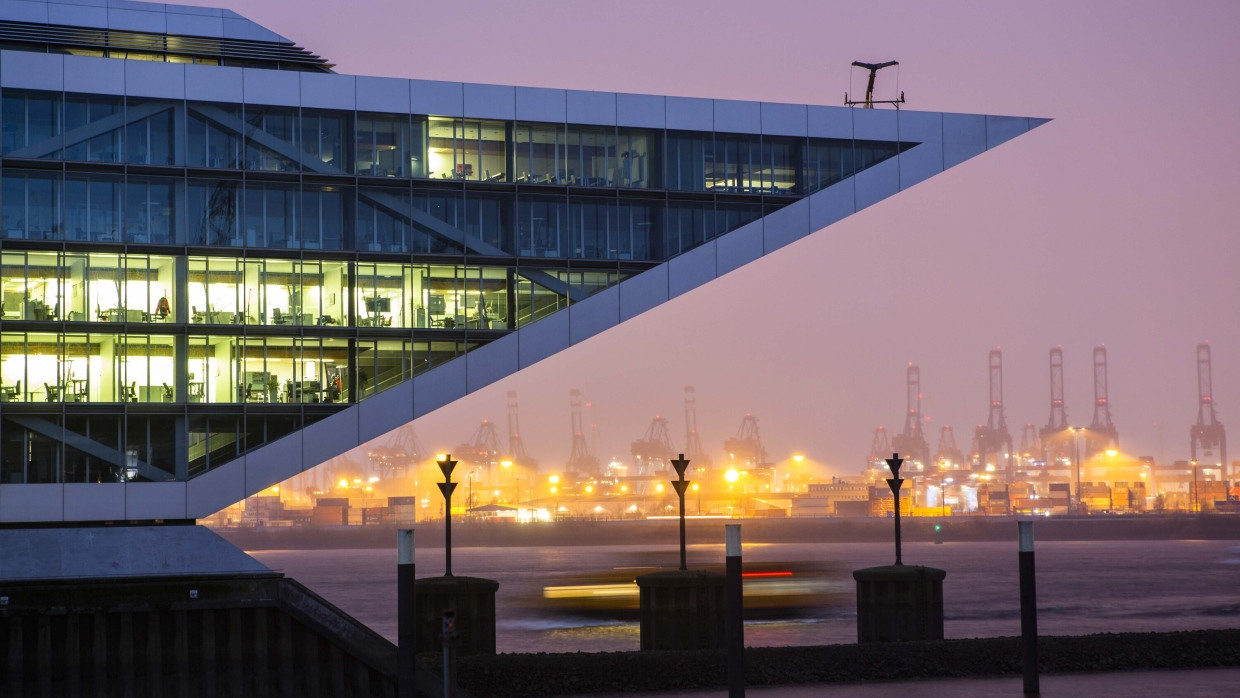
(123, 315)
(307, 391)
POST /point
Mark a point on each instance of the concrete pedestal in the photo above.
(899, 602)
(682, 610)
(473, 599)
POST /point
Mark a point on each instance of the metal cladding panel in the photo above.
(964, 136)
(21, 11)
(734, 116)
(328, 91)
(641, 111)
(594, 108)
(687, 271)
(280, 460)
(643, 292)
(964, 129)
(134, 5)
(154, 500)
(739, 247)
(382, 94)
(96, 501)
(594, 314)
(204, 83)
(274, 87)
(32, 71)
(102, 76)
(690, 113)
(787, 225)
(438, 387)
(921, 163)
(1001, 129)
(877, 183)
(926, 159)
(386, 411)
(920, 126)
(433, 97)
(195, 25)
(541, 104)
(875, 124)
(137, 20)
(785, 119)
(491, 362)
(74, 15)
(235, 28)
(192, 10)
(544, 338)
(216, 489)
(325, 436)
(21, 503)
(832, 205)
(490, 101)
(830, 122)
(147, 79)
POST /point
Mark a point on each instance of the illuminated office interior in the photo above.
(190, 271)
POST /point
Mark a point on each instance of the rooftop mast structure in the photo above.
(1208, 439)
(1102, 435)
(869, 101)
(912, 440)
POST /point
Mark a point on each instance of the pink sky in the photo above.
(1115, 223)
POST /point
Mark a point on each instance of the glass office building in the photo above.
(209, 241)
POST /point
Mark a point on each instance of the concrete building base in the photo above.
(899, 602)
(682, 610)
(473, 600)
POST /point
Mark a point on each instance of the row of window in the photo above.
(138, 288)
(131, 368)
(92, 207)
(142, 446)
(101, 128)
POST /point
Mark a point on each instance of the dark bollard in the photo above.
(406, 616)
(736, 608)
(1028, 608)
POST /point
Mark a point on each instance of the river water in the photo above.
(1083, 587)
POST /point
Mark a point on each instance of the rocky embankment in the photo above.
(518, 675)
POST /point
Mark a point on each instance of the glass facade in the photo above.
(184, 281)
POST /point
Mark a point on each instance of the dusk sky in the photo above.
(1114, 224)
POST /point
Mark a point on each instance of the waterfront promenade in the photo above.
(1197, 683)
